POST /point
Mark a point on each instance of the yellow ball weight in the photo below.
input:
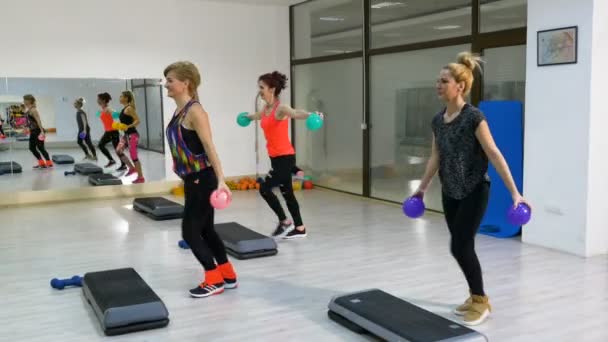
(178, 190)
(297, 186)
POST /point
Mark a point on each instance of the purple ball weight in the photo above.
(82, 135)
(413, 207)
(520, 215)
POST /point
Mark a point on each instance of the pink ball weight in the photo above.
(220, 199)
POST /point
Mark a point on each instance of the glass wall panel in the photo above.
(505, 73)
(403, 103)
(333, 155)
(327, 27)
(498, 15)
(404, 22)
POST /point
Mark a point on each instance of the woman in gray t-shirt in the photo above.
(462, 145)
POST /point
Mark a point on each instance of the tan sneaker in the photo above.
(478, 312)
(462, 309)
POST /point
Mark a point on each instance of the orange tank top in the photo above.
(277, 134)
(107, 120)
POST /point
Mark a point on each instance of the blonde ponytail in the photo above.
(130, 98)
(463, 69)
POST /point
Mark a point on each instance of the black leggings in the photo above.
(37, 145)
(88, 142)
(1, 130)
(197, 225)
(105, 139)
(464, 217)
(280, 175)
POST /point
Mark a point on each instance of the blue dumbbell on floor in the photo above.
(59, 284)
(183, 244)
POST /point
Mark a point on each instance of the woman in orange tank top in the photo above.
(110, 133)
(275, 124)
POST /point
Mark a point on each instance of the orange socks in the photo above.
(214, 277)
(227, 271)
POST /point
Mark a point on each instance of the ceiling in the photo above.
(267, 2)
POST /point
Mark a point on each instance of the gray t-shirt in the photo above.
(462, 162)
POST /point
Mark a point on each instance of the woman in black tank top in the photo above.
(128, 121)
(84, 131)
(462, 170)
(36, 133)
(189, 129)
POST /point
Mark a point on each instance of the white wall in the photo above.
(597, 206)
(556, 148)
(231, 43)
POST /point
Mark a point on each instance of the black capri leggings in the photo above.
(463, 218)
(108, 136)
(81, 142)
(37, 146)
(280, 175)
(197, 225)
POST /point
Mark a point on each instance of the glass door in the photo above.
(504, 75)
(148, 99)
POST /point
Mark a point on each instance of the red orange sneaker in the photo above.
(41, 165)
(229, 275)
(213, 285)
(49, 163)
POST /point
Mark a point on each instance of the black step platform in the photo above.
(87, 169)
(10, 167)
(101, 179)
(393, 319)
(62, 159)
(123, 302)
(244, 243)
(158, 208)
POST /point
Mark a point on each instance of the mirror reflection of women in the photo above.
(110, 133)
(129, 121)
(84, 131)
(37, 135)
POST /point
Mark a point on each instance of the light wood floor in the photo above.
(153, 164)
(353, 244)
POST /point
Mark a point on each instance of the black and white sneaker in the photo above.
(230, 284)
(122, 167)
(206, 290)
(295, 234)
(282, 229)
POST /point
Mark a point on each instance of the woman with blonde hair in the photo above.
(196, 162)
(84, 131)
(128, 121)
(37, 136)
(461, 147)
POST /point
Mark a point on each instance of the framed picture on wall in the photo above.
(557, 46)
